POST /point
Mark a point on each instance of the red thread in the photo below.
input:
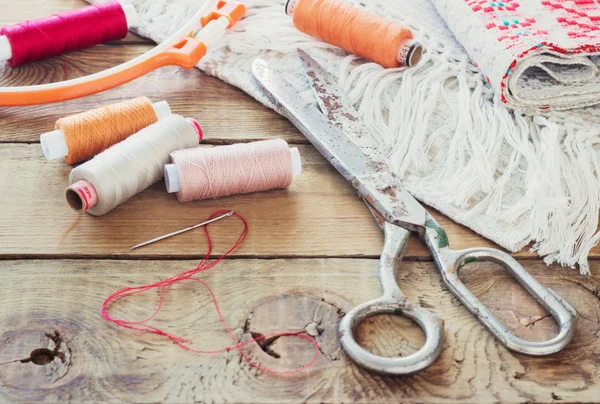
(163, 285)
(65, 32)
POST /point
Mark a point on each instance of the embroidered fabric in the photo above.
(512, 177)
(537, 54)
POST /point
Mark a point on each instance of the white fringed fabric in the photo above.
(514, 178)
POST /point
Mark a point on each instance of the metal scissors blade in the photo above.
(335, 105)
(332, 143)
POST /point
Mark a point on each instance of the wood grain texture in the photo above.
(13, 13)
(226, 114)
(320, 215)
(51, 309)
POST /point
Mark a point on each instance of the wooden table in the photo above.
(312, 254)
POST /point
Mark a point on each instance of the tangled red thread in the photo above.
(205, 264)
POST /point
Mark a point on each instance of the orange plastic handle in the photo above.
(186, 53)
(232, 10)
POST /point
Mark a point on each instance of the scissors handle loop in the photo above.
(432, 326)
(393, 302)
(450, 262)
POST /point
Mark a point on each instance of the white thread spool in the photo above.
(54, 144)
(131, 16)
(409, 51)
(129, 167)
(202, 173)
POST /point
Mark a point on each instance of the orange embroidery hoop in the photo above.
(184, 48)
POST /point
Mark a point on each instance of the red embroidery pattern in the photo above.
(505, 18)
(579, 18)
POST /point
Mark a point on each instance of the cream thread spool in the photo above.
(186, 160)
(129, 167)
(408, 53)
(54, 144)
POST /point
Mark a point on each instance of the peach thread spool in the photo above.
(80, 137)
(129, 167)
(356, 30)
(203, 173)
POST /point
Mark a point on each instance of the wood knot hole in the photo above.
(40, 356)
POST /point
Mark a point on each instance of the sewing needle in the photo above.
(154, 240)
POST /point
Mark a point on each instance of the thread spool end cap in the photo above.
(171, 178)
(197, 128)
(81, 196)
(5, 49)
(289, 7)
(296, 162)
(161, 109)
(409, 52)
(54, 144)
(133, 20)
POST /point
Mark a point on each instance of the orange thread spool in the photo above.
(356, 30)
(89, 133)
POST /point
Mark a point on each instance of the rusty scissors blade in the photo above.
(335, 130)
(340, 113)
(335, 105)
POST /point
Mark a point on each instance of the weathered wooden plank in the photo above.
(319, 215)
(51, 309)
(226, 113)
(33, 9)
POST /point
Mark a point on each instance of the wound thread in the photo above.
(206, 173)
(356, 30)
(65, 32)
(132, 165)
(89, 133)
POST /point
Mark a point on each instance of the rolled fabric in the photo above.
(538, 55)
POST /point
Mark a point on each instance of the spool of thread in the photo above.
(203, 173)
(80, 137)
(65, 32)
(356, 30)
(129, 167)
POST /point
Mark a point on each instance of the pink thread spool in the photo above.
(82, 195)
(204, 173)
(66, 32)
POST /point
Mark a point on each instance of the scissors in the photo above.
(336, 131)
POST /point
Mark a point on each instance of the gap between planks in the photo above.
(174, 257)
